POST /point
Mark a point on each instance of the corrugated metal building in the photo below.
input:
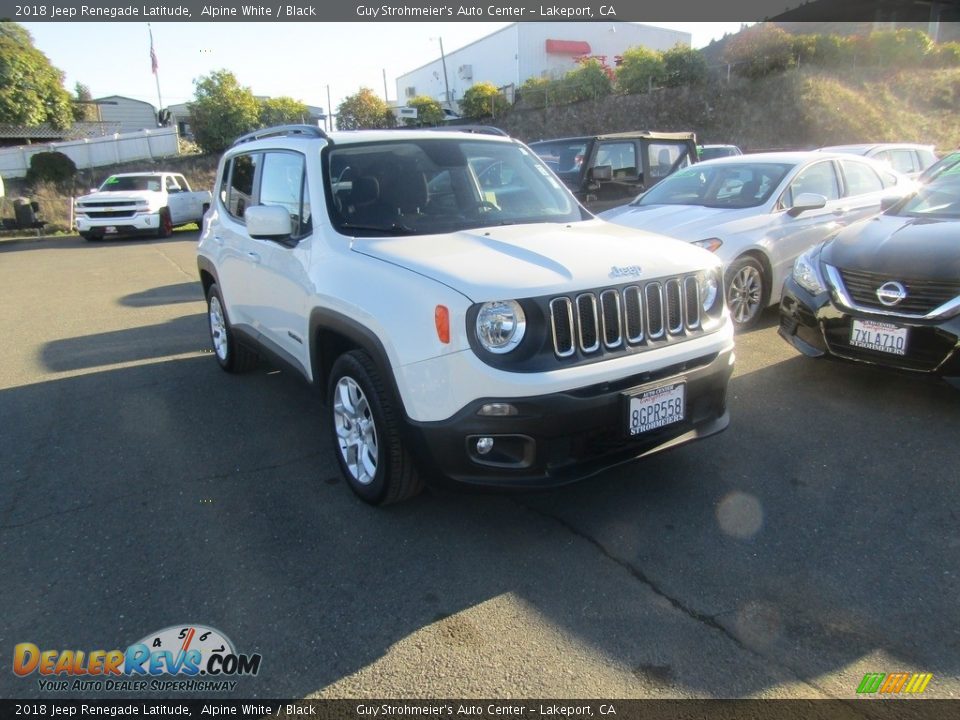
(132, 115)
(533, 49)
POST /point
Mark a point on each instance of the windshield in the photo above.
(940, 200)
(730, 185)
(434, 185)
(131, 182)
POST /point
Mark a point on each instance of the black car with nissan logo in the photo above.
(884, 291)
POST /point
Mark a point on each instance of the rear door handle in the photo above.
(218, 240)
(254, 257)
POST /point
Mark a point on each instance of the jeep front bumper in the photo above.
(565, 436)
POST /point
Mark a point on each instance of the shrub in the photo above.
(52, 167)
(759, 50)
(640, 70)
(536, 92)
(684, 66)
(483, 100)
(429, 111)
(588, 82)
(897, 48)
(944, 55)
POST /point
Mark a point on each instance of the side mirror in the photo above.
(268, 222)
(602, 173)
(807, 201)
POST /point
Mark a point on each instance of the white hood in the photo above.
(689, 222)
(516, 261)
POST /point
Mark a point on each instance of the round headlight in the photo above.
(709, 289)
(500, 326)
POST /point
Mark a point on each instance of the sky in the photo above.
(299, 60)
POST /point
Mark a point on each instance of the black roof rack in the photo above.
(282, 131)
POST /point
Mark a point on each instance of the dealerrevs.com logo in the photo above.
(188, 658)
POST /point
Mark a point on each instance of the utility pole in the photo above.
(386, 99)
(329, 111)
(446, 85)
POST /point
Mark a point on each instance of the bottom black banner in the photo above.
(855, 709)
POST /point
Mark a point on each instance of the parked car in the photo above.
(759, 212)
(151, 203)
(483, 332)
(604, 171)
(947, 164)
(885, 291)
(907, 158)
(712, 152)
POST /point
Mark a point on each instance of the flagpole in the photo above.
(156, 75)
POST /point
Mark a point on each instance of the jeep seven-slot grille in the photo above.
(632, 315)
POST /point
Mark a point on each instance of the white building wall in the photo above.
(608, 39)
(491, 59)
(519, 52)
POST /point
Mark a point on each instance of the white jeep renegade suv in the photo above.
(466, 319)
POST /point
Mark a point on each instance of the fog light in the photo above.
(484, 445)
(498, 410)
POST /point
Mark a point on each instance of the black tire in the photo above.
(359, 402)
(230, 354)
(748, 292)
(165, 229)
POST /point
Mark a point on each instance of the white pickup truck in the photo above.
(140, 203)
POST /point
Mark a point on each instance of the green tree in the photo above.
(31, 89)
(640, 70)
(684, 66)
(759, 50)
(429, 111)
(282, 111)
(83, 108)
(362, 110)
(221, 111)
(482, 100)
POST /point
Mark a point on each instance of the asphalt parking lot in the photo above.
(814, 541)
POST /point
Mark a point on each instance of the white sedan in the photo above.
(759, 212)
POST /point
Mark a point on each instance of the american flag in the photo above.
(153, 56)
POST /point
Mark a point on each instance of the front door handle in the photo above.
(254, 257)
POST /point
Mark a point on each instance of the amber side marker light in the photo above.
(441, 318)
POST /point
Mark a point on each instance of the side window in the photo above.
(903, 160)
(282, 183)
(171, 184)
(622, 156)
(860, 178)
(239, 192)
(819, 179)
(182, 182)
(662, 156)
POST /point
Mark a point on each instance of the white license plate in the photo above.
(879, 336)
(656, 408)
(110, 230)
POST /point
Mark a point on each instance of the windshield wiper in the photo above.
(393, 229)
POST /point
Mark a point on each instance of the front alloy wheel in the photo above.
(366, 433)
(356, 431)
(745, 292)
